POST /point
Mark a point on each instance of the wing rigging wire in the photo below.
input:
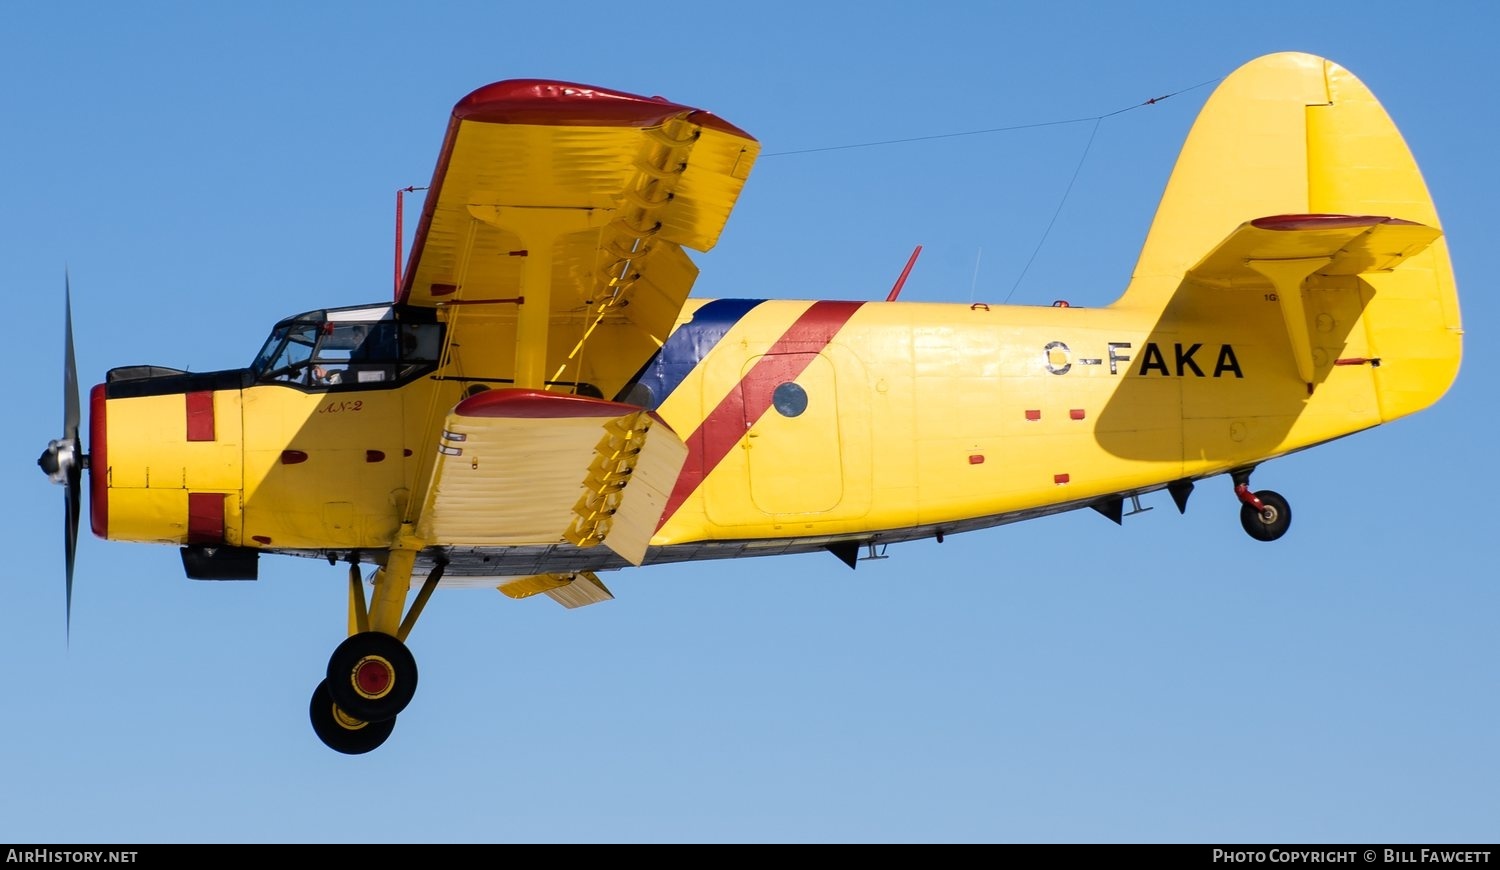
(1010, 129)
(1046, 231)
(1062, 201)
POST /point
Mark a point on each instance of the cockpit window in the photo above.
(294, 348)
(333, 348)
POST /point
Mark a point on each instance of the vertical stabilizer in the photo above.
(1295, 134)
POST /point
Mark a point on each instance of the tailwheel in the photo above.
(372, 676)
(341, 732)
(1265, 515)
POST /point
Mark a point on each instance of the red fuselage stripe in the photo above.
(206, 518)
(751, 397)
(200, 415)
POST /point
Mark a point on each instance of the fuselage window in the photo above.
(789, 399)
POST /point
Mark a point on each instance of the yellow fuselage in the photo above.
(910, 416)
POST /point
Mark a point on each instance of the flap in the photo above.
(525, 467)
(577, 589)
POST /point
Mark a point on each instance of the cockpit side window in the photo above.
(421, 343)
(357, 353)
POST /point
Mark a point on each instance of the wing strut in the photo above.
(539, 228)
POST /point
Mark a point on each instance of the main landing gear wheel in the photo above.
(341, 732)
(372, 676)
(1270, 520)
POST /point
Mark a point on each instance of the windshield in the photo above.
(347, 347)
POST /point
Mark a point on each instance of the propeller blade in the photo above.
(70, 370)
(70, 538)
(73, 483)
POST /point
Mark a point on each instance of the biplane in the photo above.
(544, 402)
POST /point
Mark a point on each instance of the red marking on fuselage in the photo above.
(98, 447)
(792, 353)
(206, 518)
(200, 415)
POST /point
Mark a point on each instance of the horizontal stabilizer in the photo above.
(1286, 251)
(1352, 245)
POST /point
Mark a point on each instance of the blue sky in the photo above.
(202, 170)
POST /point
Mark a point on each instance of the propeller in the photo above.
(63, 460)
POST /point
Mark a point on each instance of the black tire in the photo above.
(1270, 523)
(339, 731)
(390, 671)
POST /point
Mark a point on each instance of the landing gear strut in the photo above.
(1266, 515)
(371, 676)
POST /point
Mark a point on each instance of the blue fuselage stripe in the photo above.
(689, 344)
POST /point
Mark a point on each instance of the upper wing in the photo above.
(522, 467)
(558, 212)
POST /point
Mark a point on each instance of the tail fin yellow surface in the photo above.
(1292, 134)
